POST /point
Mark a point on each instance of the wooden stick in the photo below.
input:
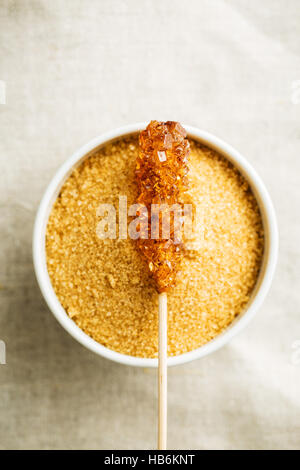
(162, 371)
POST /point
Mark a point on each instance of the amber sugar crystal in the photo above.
(161, 173)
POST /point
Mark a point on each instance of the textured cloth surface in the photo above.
(75, 69)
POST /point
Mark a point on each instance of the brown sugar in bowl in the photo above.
(112, 327)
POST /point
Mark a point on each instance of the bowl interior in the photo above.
(263, 281)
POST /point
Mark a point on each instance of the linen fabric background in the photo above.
(75, 69)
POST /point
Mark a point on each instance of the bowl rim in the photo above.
(262, 285)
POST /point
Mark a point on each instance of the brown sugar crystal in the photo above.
(105, 285)
(161, 173)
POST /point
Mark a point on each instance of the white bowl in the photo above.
(263, 282)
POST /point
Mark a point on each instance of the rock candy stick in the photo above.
(161, 172)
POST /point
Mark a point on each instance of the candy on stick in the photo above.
(161, 172)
